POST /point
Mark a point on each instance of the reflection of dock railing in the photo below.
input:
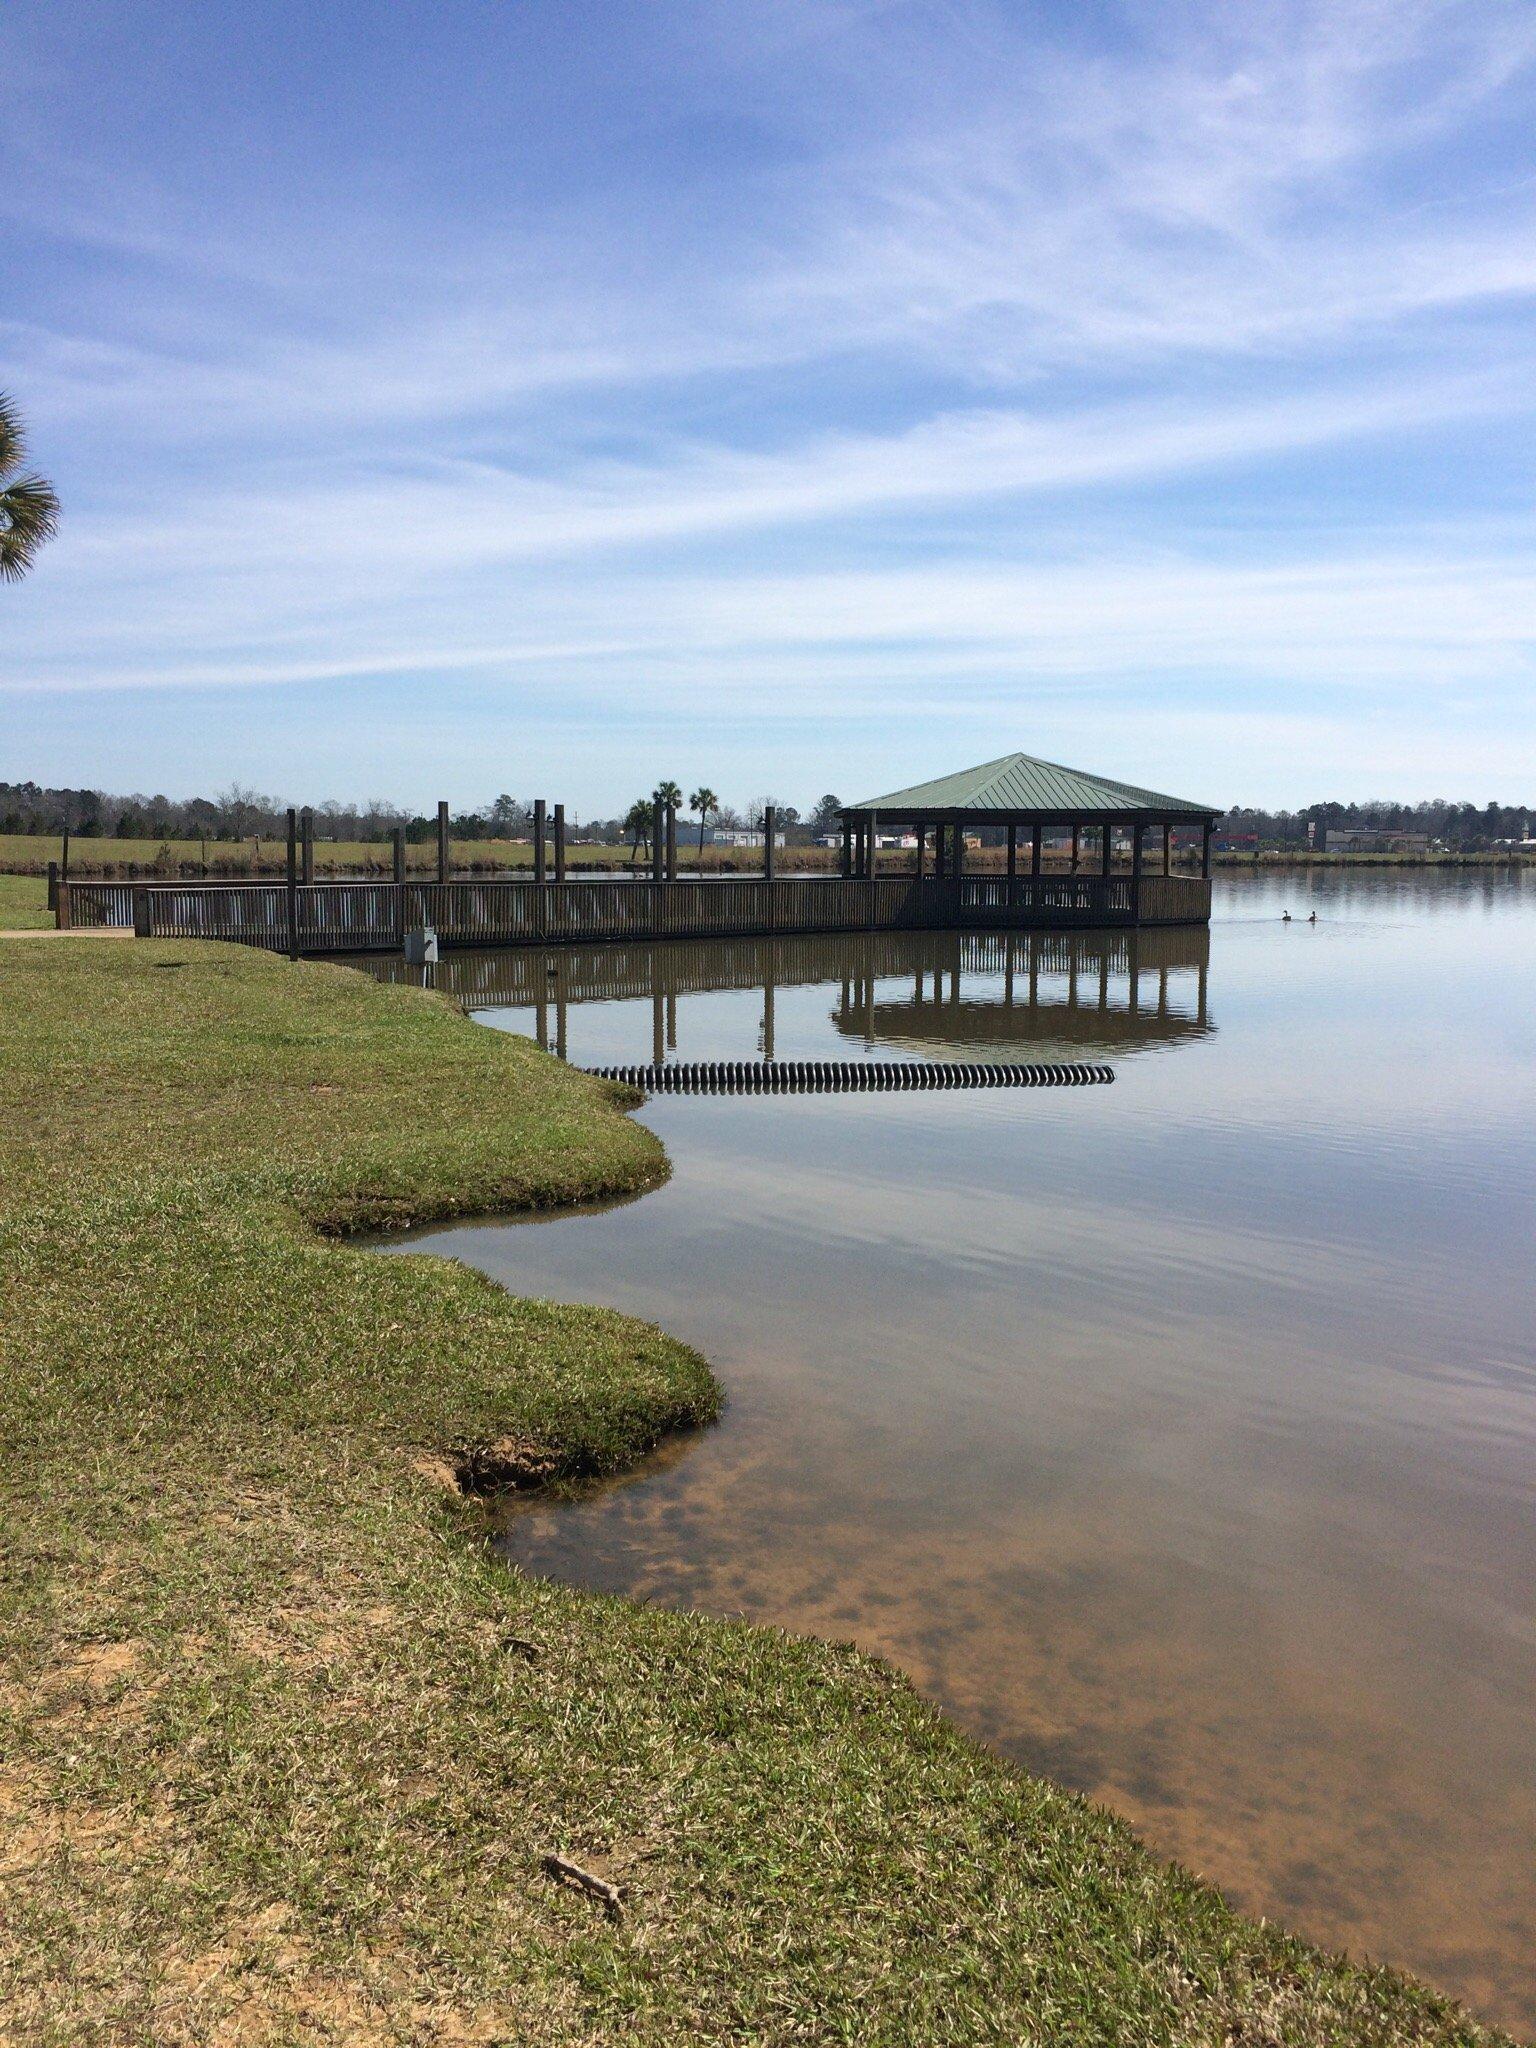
(1091, 991)
(617, 972)
(373, 916)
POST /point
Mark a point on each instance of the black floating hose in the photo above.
(780, 1077)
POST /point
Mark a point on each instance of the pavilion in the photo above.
(1020, 794)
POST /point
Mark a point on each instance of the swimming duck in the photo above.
(1313, 918)
(1285, 917)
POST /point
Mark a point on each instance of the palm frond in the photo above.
(13, 441)
(29, 515)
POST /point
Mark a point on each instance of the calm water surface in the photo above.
(1178, 1436)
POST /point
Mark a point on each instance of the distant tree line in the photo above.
(238, 814)
(1460, 827)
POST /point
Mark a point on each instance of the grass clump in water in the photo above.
(283, 1751)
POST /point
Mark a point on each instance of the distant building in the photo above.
(737, 835)
(1330, 839)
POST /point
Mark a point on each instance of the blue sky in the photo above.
(809, 394)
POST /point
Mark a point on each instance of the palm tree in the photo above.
(703, 803)
(637, 819)
(667, 793)
(29, 511)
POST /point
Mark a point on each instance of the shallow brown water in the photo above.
(1178, 1436)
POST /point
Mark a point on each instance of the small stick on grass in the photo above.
(564, 1871)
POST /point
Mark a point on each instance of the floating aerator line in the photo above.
(785, 1077)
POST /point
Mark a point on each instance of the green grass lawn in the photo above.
(30, 853)
(282, 1749)
(24, 903)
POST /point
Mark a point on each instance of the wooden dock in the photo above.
(303, 917)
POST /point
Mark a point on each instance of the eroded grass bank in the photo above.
(284, 1750)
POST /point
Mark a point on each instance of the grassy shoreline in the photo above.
(282, 1749)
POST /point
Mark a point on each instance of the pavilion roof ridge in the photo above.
(1024, 782)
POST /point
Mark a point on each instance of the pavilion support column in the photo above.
(1077, 844)
(1036, 842)
(872, 867)
(1205, 850)
(540, 841)
(847, 855)
(940, 851)
(559, 842)
(1013, 864)
(1136, 831)
(442, 842)
(1167, 849)
(1106, 846)
(922, 836)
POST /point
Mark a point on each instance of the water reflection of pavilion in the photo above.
(1085, 989)
(1089, 990)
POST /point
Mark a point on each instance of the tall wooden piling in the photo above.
(559, 830)
(307, 847)
(442, 842)
(293, 883)
(540, 840)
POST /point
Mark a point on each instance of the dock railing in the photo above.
(374, 916)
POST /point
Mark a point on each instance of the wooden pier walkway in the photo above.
(374, 916)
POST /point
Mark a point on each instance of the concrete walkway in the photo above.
(97, 931)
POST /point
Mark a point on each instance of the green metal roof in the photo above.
(1020, 782)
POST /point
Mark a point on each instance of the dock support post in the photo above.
(293, 883)
(307, 847)
(559, 842)
(53, 885)
(671, 842)
(540, 841)
(397, 866)
(770, 819)
(1205, 850)
(658, 848)
(442, 842)
(64, 858)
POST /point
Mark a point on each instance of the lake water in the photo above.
(1178, 1436)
